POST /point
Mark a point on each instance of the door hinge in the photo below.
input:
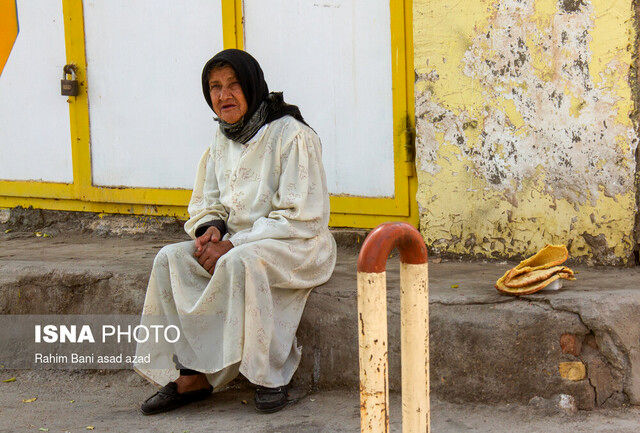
(409, 147)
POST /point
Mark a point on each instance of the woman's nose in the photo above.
(225, 93)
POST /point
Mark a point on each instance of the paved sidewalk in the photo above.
(109, 402)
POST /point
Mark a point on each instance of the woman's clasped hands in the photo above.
(209, 248)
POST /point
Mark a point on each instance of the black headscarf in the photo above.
(263, 107)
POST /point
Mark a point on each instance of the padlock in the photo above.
(69, 87)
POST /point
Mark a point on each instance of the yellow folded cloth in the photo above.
(536, 272)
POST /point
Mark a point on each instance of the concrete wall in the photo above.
(524, 130)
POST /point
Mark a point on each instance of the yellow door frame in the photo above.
(369, 212)
(347, 211)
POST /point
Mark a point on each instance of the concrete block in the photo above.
(572, 370)
(484, 347)
(571, 344)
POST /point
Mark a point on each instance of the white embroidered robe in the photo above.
(272, 194)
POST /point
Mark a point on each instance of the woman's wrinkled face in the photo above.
(226, 94)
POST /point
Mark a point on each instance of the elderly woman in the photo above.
(258, 219)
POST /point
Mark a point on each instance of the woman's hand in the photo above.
(211, 235)
(211, 252)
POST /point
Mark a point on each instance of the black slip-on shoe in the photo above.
(269, 400)
(167, 398)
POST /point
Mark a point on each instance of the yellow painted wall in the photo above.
(523, 126)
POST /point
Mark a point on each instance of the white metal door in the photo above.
(149, 121)
(332, 58)
(35, 141)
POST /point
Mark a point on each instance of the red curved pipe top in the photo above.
(384, 238)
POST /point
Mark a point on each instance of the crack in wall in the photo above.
(624, 370)
(603, 337)
(474, 303)
(595, 389)
(634, 84)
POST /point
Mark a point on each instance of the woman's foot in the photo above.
(269, 400)
(192, 382)
(185, 390)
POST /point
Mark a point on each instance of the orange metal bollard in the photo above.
(372, 329)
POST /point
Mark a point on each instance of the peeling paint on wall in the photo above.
(523, 129)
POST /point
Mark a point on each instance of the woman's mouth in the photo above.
(228, 106)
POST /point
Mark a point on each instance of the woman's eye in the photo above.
(214, 87)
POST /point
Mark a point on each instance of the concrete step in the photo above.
(485, 347)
